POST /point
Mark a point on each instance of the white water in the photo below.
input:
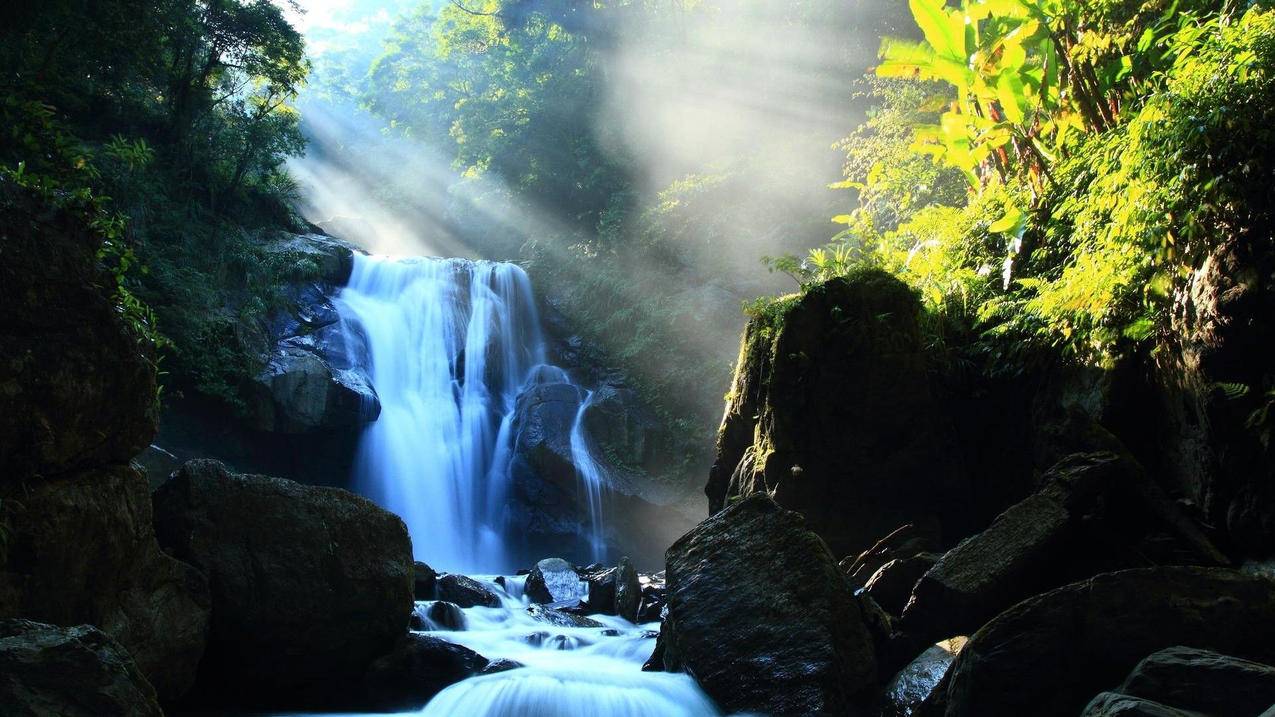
(451, 344)
(569, 671)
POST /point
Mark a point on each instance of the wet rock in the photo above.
(1111, 704)
(831, 402)
(542, 422)
(560, 618)
(891, 585)
(465, 591)
(907, 690)
(1049, 655)
(628, 592)
(501, 665)
(1203, 681)
(416, 669)
(903, 542)
(1086, 518)
(308, 584)
(553, 580)
(319, 255)
(424, 581)
(82, 550)
(602, 592)
(446, 616)
(69, 672)
(759, 612)
(298, 392)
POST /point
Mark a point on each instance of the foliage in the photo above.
(179, 112)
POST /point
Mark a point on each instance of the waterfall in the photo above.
(589, 473)
(450, 345)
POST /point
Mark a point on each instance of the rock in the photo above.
(830, 404)
(903, 542)
(628, 591)
(501, 665)
(298, 392)
(543, 417)
(308, 584)
(319, 255)
(418, 668)
(650, 610)
(465, 592)
(1050, 654)
(907, 690)
(424, 585)
(891, 585)
(759, 612)
(1203, 681)
(69, 672)
(553, 580)
(446, 616)
(560, 618)
(1085, 519)
(1110, 704)
(602, 592)
(83, 550)
(77, 380)
(157, 464)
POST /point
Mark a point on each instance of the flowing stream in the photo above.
(451, 344)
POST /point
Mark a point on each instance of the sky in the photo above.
(338, 24)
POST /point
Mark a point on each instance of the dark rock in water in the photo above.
(903, 542)
(542, 423)
(831, 403)
(465, 591)
(446, 615)
(417, 622)
(501, 665)
(1203, 681)
(419, 667)
(560, 618)
(79, 382)
(1049, 655)
(759, 612)
(908, 689)
(891, 585)
(602, 592)
(1111, 704)
(1084, 519)
(83, 550)
(553, 580)
(424, 585)
(308, 584)
(69, 672)
(650, 610)
(628, 591)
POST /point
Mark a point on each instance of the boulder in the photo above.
(444, 615)
(1088, 517)
(319, 255)
(424, 581)
(418, 668)
(560, 618)
(903, 542)
(907, 690)
(298, 392)
(465, 591)
(308, 584)
(553, 580)
(831, 413)
(891, 585)
(77, 379)
(1050, 654)
(628, 591)
(1203, 681)
(82, 550)
(69, 672)
(543, 417)
(601, 597)
(1111, 704)
(762, 617)
(501, 665)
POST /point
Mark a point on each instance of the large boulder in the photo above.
(1088, 517)
(69, 672)
(762, 617)
(832, 414)
(309, 585)
(77, 378)
(628, 590)
(553, 580)
(418, 668)
(1049, 655)
(82, 550)
(465, 591)
(299, 391)
(1203, 681)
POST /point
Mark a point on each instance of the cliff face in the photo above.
(77, 402)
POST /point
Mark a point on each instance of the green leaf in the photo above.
(1013, 219)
